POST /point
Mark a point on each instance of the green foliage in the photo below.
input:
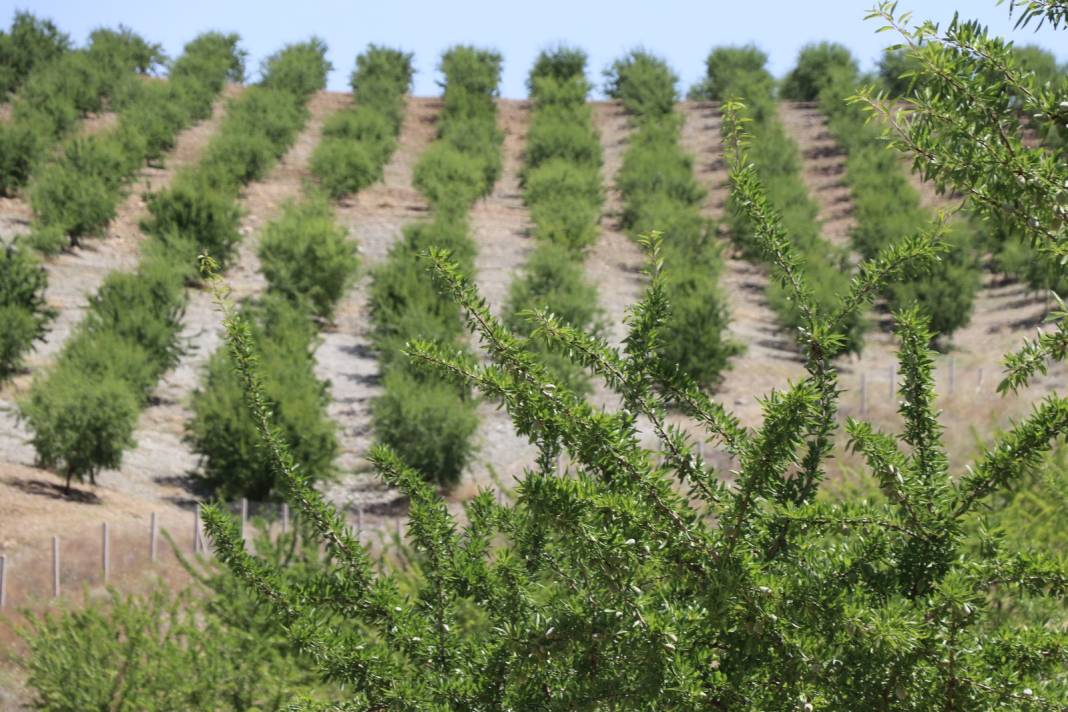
(644, 83)
(561, 63)
(193, 207)
(223, 433)
(307, 258)
(896, 72)
(78, 194)
(403, 303)
(643, 580)
(382, 78)
(739, 73)
(357, 142)
(431, 422)
(211, 646)
(886, 207)
(429, 418)
(299, 69)
(730, 70)
(554, 282)
(661, 194)
(57, 93)
(24, 314)
(80, 426)
(817, 66)
(29, 43)
(82, 412)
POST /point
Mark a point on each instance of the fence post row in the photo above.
(153, 538)
(105, 551)
(55, 566)
(197, 543)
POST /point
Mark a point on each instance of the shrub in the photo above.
(426, 416)
(299, 69)
(553, 281)
(24, 314)
(886, 206)
(403, 303)
(370, 127)
(80, 426)
(565, 135)
(641, 580)
(80, 194)
(30, 43)
(357, 142)
(130, 335)
(22, 144)
(429, 421)
(449, 178)
(737, 73)
(18, 330)
(380, 81)
(344, 167)
(644, 84)
(144, 307)
(222, 431)
(307, 258)
(193, 207)
(660, 194)
(817, 66)
(561, 64)
(210, 646)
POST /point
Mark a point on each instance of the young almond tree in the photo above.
(645, 580)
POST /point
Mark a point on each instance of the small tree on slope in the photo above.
(642, 580)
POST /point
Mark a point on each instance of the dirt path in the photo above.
(158, 468)
(501, 229)
(614, 263)
(375, 218)
(822, 168)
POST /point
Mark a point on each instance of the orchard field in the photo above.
(147, 199)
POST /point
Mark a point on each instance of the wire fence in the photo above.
(120, 552)
(113, 551)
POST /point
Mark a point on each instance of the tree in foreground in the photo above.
(645, 580)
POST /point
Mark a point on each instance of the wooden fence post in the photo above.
(359, 518)
(197, 544)
(3, 581)
(244, 516)
(153, 538)
(105, 551)
(285, 517)
(55, 566)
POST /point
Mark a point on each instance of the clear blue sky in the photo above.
(681, 31)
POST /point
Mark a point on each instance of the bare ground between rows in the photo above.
(375, 218)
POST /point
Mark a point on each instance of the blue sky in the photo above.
(681, 31)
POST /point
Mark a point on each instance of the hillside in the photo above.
(155, 475)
